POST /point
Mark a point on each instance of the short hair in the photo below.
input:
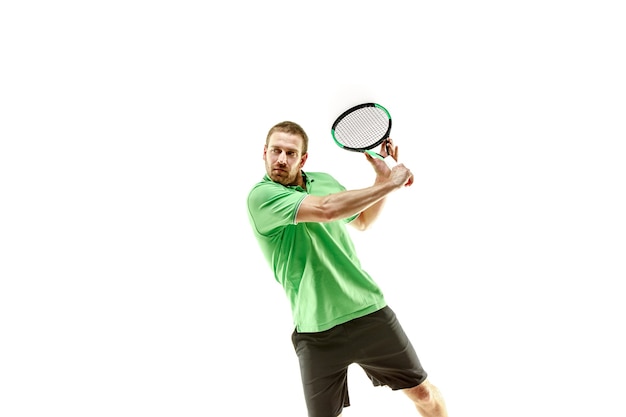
(291, 128)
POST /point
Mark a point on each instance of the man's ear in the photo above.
(303, 159)
(264, 151)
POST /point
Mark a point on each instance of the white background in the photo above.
(132, 131)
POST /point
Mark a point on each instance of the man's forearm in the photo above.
(344, 204)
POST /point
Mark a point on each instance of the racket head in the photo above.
(362, 127)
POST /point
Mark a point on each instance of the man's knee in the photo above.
(423, 393)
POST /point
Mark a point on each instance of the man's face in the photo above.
(283, 159)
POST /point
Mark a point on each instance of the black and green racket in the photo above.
(362, 127)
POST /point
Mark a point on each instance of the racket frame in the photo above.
(368, 148)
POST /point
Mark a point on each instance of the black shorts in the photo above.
(376, 342)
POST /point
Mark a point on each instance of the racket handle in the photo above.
(390, 161)
(374, 154)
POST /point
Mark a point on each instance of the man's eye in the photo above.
(291, 153)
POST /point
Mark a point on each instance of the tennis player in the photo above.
(340, 314)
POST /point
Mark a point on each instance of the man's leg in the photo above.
(428, 400)
(324, 370)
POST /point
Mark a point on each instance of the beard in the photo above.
(281, 175)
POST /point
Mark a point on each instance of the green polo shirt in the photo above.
(315, 263)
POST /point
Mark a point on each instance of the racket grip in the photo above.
(390, 161)
(375, 154)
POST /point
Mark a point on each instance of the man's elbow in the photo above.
(360, 223)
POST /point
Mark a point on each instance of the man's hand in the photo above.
(393, 150)
(401, 176)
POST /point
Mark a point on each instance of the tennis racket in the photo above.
(362, 127)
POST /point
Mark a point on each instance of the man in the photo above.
(339, 312)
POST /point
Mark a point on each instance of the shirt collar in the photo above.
(307, 180)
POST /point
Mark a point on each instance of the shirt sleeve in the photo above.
(273, 206)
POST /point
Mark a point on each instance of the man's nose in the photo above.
(282, 158)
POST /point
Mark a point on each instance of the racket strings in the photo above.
(363, 128)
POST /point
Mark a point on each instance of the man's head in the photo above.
(285, 153)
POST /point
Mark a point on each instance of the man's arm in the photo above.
(366, 201)
(369, 215)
